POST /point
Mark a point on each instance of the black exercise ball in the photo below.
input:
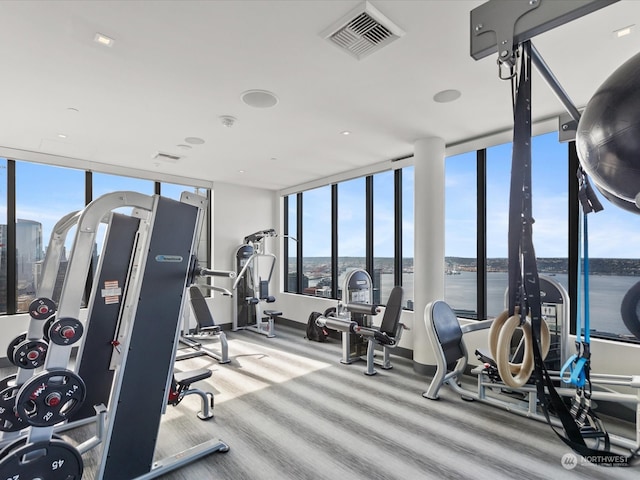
(608, 136)
(619, 202)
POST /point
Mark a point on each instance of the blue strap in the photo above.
(577, 363)
(568, 365)
(578, 375)
(585, 240)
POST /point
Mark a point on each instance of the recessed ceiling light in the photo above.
(103, 40)
(259, 98)
(446, 96)
(346, 132)
(184, 147)
(194, 140)
(623, 32)
(62, 135)
(240, 171)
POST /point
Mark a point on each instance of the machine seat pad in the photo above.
(191, 376)
(272, 313)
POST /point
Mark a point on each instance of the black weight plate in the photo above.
(50, 397)
(65, 331)
(51, 460)
(30, 354)
(12, 346)
(42, 308)
(9, 381)
(9, 421)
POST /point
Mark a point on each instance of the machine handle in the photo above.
(205, 272)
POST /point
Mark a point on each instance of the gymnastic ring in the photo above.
(494, 333)
(516, 375)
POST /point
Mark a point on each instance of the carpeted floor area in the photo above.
(290, 411)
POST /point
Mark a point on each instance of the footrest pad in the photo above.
(191, 376)
(272, 313)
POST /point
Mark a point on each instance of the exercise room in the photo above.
(319, 239)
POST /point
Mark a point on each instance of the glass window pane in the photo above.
(461, 283)
(291, 284)
(408, 185)
(44, 194)
(316, 247)
(3, 235)
(550, 230)
(614, 267)
(351, 227)
(383, 236)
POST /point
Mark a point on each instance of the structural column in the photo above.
(429, 242)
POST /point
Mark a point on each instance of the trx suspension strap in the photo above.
(524, 283)
(578, 364)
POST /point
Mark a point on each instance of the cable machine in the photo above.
(254, 268)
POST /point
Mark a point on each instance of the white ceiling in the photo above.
(176, 66)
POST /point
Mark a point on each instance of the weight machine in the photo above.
(254, 268)
(446, 336)
(158, 256)
(353, 318)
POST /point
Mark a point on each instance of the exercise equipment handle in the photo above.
(364, 308)
(205, 272)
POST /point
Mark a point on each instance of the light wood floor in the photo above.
(290, 411)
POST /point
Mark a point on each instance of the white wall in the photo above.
(237, 212)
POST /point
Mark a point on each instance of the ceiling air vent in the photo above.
(166, 157)
(362, 31)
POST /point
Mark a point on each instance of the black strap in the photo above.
(524, 282)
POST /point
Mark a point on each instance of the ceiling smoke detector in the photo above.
(362, 31)
(227, 120)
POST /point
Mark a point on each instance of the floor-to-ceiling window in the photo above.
(476, 232)
(316, 247)
(383, 235)
(461, 263)
(408, 186)
(291, 219)
(351, 227)
(44, 194)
